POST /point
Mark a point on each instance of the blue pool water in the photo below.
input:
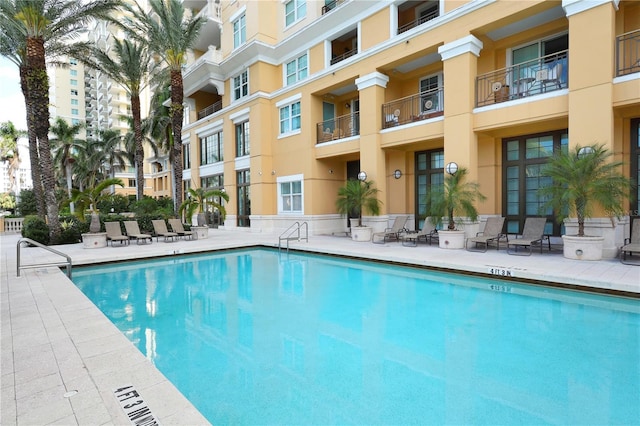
(257, 337)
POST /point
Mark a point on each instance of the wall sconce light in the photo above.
(362, 176)
(584, 151)
(347, 105)
(330, 171)
(273, 172)
(397, 174)
(451, 168)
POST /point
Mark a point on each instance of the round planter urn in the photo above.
(582, 248)
(451, 239)
(361, 233)
(94, 240)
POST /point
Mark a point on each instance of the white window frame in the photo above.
(240, 31)
(296, 74)
(290, 179)
(233, 85)
(287, 104)
(439, 106)
(297, 15)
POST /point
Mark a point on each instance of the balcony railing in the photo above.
(541, 75)
(210, 110)
(338, 128)
(428, 17)
(331, 5)
(422, 106)
(344, 56)
(628, 53)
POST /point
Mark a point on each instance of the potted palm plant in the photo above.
(584, 180)
(88, 199)
(197, 199)
(354, 197)
(454, 199)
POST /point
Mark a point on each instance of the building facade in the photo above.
(286, 100)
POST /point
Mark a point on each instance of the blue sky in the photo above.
(11, 100)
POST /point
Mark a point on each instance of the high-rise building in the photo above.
(288, 99)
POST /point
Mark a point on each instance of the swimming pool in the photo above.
(257, 337)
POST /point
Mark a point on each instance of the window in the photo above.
(290, 118)
(242, 139)
(74, 111)
(429, 175)
(213, 182)
(241, 85)
(186, 156)
(524, 159)
(73, 61)
(239, 31)
(132, 183)
(296, 70)
(74, 102)
(74, 121)
(73, 73)
(290, 196)
(211, 149)
(243, 197)
(294, 10)
(635, 166)
(73, 82)
(430, 95)
(74, 92)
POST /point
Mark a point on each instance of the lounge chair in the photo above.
(176, 226)
(391, 233)
(631, 244)
(492, 232)
(428, 232)
(114, 233)
(133, 232)
(532, 234)
(160, 229)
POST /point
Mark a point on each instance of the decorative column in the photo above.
(460, 60)
(372, 157)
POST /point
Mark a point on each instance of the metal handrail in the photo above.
(68, 263)
(293, 233)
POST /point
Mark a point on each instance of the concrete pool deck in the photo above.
(62, 358)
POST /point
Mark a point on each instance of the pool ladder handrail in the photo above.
(68, 263)
(293, 233)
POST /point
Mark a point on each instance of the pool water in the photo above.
(258, 337)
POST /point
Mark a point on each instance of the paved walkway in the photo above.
(62, 359)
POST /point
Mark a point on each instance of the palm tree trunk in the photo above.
(34, 157)
(139, 154)
(38, 83)
(177, 97)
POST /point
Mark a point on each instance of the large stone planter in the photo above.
(200, 232)
(582, 248)
(94, 240)
(361, 233)
(451, 239)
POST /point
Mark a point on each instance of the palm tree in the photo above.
(39, 22)
(109, 143)
(582, 179)
(170, 34)
(89, 199)
(64, 146)
(455, 197)
(356, 196)
(198, 198)
(128, 64)
(9, 136)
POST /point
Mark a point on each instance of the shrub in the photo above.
(26, 204)
(145, 206)
(35, 228)
(114, 204)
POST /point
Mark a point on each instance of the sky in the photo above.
(11, 100)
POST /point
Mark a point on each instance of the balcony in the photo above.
(541, 75)
(422, 12)
(344, 46)
(341, 127)
(422, 106)
(210, 110)
(331, 5)
(628, 53)
(211, 29)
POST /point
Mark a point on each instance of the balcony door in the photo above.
(328, 117)
(430, 100)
